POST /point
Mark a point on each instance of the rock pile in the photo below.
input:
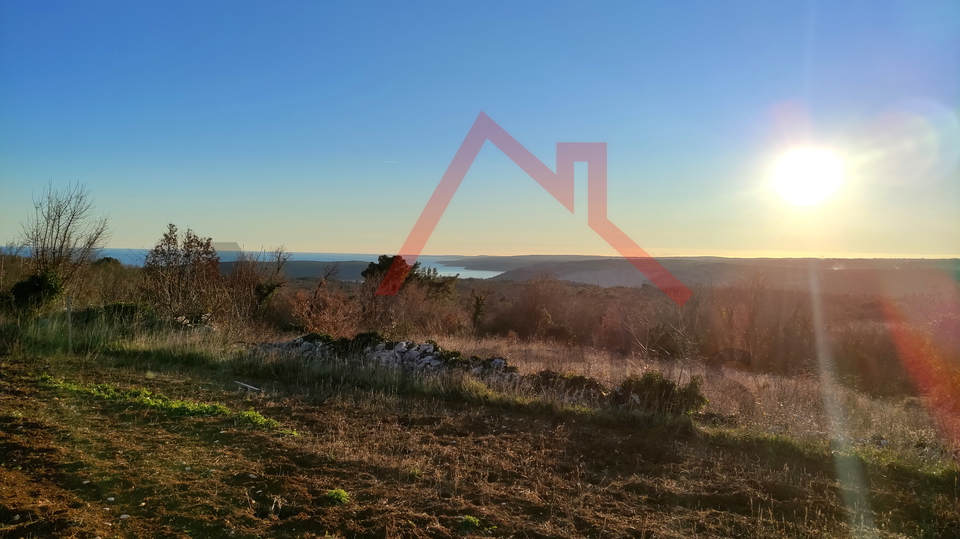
(403, 355)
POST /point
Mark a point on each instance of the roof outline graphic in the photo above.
(560, 184)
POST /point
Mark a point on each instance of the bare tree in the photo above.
(64, 236)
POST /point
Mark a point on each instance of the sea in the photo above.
(135, 257)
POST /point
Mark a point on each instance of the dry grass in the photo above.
(417, 454)
(763, 404)
(412, 466)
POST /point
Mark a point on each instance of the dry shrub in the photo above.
(548, 309)
(774, 326)
(329, 309)
(13, 267)
(107, 282)
(250, 287)
(181, 276)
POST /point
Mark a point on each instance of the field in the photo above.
(345, 451)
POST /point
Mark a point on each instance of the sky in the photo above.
(326, 126)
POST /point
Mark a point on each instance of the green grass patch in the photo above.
(337, 496)
(146, 399)
(470, 525)
(252, 419)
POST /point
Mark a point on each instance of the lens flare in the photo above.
(916, 144)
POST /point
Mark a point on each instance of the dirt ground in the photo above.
(75, 466)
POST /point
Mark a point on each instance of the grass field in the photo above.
(150, 436)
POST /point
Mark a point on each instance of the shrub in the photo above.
(181, 276)
(655, 394)
(37, 291)
(252, 282)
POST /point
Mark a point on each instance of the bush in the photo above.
(655, 394)
(181, 276)
(37, 291)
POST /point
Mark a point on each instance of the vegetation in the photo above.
(63, 237)
(605, 421)
(36, 292)
(181, 276)
(338, 496)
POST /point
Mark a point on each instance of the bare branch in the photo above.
(63, 236)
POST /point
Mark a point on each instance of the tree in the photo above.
(377, 270)
(181, 276)
(63, 236)
(437, 287)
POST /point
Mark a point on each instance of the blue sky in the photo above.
(326, 127)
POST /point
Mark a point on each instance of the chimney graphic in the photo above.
(559, 184)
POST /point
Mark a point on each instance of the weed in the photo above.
(472, 524)
(146, 399)
(252, 418)
(469, 523)
(138, 396)
(337, 496)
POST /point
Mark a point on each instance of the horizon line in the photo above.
(729, 255)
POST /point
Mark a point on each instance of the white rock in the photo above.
(498, 363)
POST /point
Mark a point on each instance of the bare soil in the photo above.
(73, 466)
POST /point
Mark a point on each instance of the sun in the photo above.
(807, 176)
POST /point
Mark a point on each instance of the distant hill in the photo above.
(296, 269)
(854, 276)
(507, 263)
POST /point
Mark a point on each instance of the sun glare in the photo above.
(807, 176)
